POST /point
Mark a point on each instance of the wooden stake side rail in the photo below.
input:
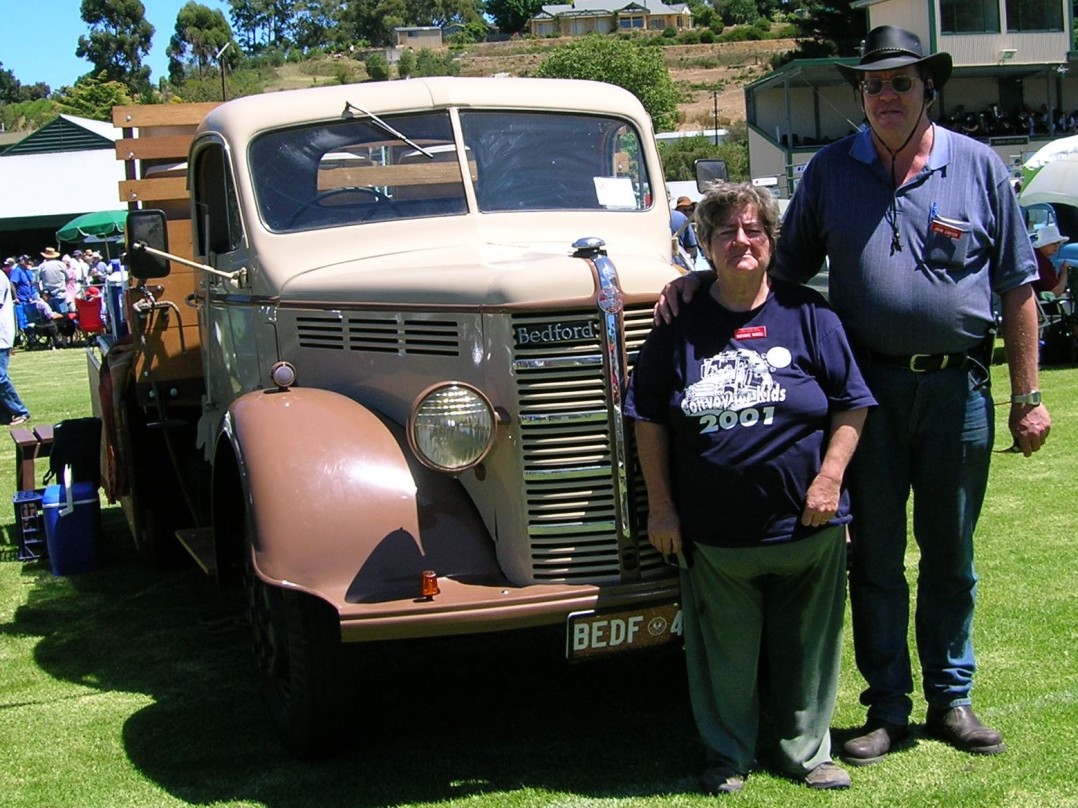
(154, 148)
(141, 116)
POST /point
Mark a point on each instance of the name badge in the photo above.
(752, 332)
(946, 228)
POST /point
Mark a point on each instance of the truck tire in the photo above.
(304, 667)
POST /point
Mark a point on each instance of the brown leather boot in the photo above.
(960, 727)
(874, 742)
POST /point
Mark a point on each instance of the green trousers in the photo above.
(763, 633)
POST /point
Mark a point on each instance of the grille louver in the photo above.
(392, 334)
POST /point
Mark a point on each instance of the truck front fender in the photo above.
(337, 507)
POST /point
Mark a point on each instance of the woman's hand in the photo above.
(821, 501)
(664, 529)
(678, 291)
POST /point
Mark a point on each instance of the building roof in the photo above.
(66, 168)
(594, 7)
(67, 133)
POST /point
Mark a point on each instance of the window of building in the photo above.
(969, 16)
(1034, 15)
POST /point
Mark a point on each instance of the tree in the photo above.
(94, 97)
(834, 29)
(9, 86)
(679, 157)
(639, 69)
(432, 63)
(318, 25)
(200, 34)
(377, 66)
(118, 41)
(374, 20)
(406, 64)
(511, 16)
(738, 12)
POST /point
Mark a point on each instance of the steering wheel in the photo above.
(380, 200)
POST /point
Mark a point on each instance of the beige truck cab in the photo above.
(418, 303)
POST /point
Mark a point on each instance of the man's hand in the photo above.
(678, 291)
(1029, 426)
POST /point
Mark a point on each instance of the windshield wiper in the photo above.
(350, 108)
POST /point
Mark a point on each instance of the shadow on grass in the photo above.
(441, 720)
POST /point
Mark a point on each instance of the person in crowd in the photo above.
(681, 227)
(52, 277)
(920, 232)
(22, 279)
(13, 408)
(79, 260)
(72, 268)
(1046, 243)
(749, 406)
(59, 326)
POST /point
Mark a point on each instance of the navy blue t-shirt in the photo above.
(747, 397)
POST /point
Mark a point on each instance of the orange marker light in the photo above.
(429, 584)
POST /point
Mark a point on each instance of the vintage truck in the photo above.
(376, 367)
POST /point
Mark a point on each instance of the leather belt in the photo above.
(920, 363)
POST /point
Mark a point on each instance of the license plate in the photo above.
(590, 634)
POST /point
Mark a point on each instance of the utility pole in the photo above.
(221, 64)
(715, 100)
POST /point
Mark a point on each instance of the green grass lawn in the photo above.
(132, 686)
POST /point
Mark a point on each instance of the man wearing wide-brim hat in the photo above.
(52, 275)
(919, 228)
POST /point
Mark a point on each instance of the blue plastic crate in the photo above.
(30, 525)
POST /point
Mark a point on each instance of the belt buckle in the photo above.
(918, 356)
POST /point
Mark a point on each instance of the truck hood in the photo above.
(485, 274)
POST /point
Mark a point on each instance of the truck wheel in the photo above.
(304, 667)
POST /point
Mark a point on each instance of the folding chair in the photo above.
(88, 318)
(33, 332)
(1057, 329)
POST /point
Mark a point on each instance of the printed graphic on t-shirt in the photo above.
(737, 386)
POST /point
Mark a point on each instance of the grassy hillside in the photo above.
(698, 71)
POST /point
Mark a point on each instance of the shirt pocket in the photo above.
(947, 245)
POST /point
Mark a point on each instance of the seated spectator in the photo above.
(1046, 243)
(52, 322)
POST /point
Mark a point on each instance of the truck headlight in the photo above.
(451, 427)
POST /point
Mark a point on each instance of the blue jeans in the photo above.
(9, 397)
(932, 433)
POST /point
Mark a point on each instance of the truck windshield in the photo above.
(352, 171)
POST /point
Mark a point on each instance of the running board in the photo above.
(198, 541)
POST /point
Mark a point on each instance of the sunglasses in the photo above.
(900, 84)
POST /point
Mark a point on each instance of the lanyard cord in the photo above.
(892, 211)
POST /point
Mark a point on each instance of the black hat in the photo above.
(888, 47)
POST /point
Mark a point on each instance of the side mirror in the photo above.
(147, 227)
(709, 171)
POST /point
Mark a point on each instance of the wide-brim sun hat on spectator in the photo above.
(49, 253)
(888, 48)
(1048, 235)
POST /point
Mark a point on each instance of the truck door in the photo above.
(229, 313)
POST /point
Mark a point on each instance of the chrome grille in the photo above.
(392, 334)
(569, 491)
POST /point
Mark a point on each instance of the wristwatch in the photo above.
(1032, 397)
